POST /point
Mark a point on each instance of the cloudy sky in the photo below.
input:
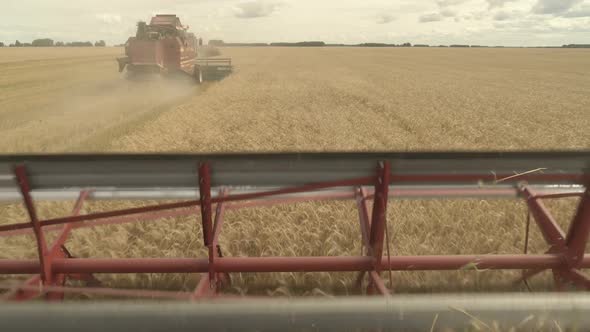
(489, 22)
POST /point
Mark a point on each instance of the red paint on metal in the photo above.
(290, 264)
(577, 277)
(20, 172)
(67, 228)
(379, 218)
(215, 248)
(21, 293)
(205, 201)
(191, 203)
(579, 231)
(203, 288)
(549, 228)
(379, 284)
(55, 264)
(57, 251)
(570, 248)
(341, 195)
(361, 201)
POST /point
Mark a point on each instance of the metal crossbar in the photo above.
(222, 182)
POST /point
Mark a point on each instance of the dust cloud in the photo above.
(88, 116)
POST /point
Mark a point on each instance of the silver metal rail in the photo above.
(408, 313)
(174, 176)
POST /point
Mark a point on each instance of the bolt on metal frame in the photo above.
(565, 257)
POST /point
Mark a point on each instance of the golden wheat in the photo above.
(286, 99)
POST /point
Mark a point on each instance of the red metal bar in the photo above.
(205, 202)
(379, 284)
(56, 251)
(361, 202)
(20, 293)
(186, 212)
(215, 249)
(67, 228)
(551, 231)
(577, 277)
(343, 195)
(363, 210)
(579, 230)
(379, 219)
(203, 288)
(219, 211)
(20, 172)
(191, 203)
(290, 264)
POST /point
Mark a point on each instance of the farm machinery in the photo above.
(205, 186)
(165, 46)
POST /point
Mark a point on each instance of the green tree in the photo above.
(44, 42)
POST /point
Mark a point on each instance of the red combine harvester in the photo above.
(166, 47)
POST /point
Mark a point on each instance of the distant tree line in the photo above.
(576, 46)
(381, 45)
(301, 44)
(218, 42)
(47, 42)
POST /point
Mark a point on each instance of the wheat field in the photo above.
(304, 99)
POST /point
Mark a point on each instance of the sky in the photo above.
(482, 22)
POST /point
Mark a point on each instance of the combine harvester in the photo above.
(166, 47)
(207, 185)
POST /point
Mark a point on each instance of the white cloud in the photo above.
(334, 21)
(253, 9)
(554, 6)
(447, 3)
(447, 13)
(434, 17)
(385, 18)
(506, 15)
(498, 3)
(580, 11)
(109, 18)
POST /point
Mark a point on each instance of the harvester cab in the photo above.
(165, 46)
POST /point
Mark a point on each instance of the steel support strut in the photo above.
(20, 172)
(579, 230)
(566, 256)
(211, 282)
(378, 225)
(57, 251)
(570, 248)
